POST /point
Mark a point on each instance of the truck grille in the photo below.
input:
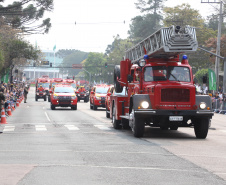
(175, 95)
(102, 99)
(65, 99)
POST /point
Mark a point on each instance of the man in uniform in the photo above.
(40, 88)
(25, 93)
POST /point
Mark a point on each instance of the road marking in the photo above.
(9, 128)
(40, 128)
(71, 127)
(47, 117)
(102, 127)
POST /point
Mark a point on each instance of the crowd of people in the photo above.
(11, 92)
(218, 98)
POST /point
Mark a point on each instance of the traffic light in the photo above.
(51, 64)
(106, 64)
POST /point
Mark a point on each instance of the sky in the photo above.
(91, 25)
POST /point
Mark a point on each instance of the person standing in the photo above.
(25, 94)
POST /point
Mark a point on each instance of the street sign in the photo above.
(77, 66)
(45, 62)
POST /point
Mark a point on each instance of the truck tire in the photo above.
(94, 107)
(115, 123)
(107, 114)
(137, 125)
(74, 107)
(201, 127)
(52, 107)
(48, 98)
(125, 124)
(91, 107)
(44, 98)
(36, 98)
(118, 87)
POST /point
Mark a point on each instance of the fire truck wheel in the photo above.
(107, 114)
(173, 127)
(164, 127)
(48, 99)
(201, 127)
(125, 124)
(118, 87)
(36, 98)
(74, 107)
(94, 107)
(91, 107)
(45, 98)
(137, 125)
(115, 123)
(52, 107)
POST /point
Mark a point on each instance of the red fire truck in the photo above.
(70, 82)
(160, 86)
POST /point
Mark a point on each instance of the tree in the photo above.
(76, 57)
(14, 50)
(143, 26)
(21, 17)
(93, 64)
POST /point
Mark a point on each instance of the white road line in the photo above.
(40, 128)
(223, 130)
(47, 117)
(102, 127)
(9, 128)
(71, 127)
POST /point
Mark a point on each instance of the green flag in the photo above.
(54, 48)
(212, 80)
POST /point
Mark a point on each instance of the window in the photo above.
(163, 73)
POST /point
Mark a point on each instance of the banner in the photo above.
(212, 80)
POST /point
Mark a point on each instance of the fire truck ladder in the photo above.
(165, 43)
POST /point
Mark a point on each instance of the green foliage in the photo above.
(199, 76)
(76, 57)
(21, 17)
(145, 25)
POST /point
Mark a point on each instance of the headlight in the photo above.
(55, 97)
(144, 104)
(78, 94)
(37, 93)
(98, 98)
(202, 105)
(73, 97)
(44, 93)
(142, 63)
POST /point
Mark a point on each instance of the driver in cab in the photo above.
(40, 88)
(82, 89)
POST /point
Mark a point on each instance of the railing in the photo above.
(219, 106)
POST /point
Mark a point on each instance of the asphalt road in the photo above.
(63, 147)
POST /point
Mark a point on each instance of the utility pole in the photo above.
(217, 61)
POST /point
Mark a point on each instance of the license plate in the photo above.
(176, 118)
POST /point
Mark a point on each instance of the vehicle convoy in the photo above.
(63, 96)
(160, 86)
(97, 96)
(82, 94)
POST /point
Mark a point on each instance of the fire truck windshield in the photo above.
(163, 73)
(44, 85)
(102, 90)
(64, 90)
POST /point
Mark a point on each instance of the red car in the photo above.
(63, 96)
(97, 96)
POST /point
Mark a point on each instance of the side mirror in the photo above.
(92, 92)
(50, 91)
(108, 94)
(76, 92)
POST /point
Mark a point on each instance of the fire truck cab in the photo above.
(160, 87)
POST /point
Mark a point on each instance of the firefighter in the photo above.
(40, 88)
(82, 89)
(25, 93)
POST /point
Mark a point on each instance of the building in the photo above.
(32, 73)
